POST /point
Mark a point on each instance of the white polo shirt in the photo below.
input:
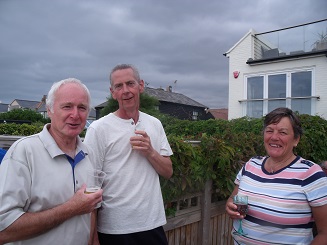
(36, 175)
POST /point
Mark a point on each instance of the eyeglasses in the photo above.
(130, 84)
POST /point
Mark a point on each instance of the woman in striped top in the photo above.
(286, 193)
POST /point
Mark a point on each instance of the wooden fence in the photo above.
(199, 222)
(185, 228)
(7, 140)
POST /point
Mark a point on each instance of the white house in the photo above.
(291, 72)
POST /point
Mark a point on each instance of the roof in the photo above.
(30, 104)
(104, 104)
(3, 107)
(219, 113)
(250, 32)
(168, 96)
(41, 107)
(92, 113)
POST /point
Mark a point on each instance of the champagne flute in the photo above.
(242, 207)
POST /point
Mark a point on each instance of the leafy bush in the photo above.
(313, 144)
(186, 176)
(224, 146)
(220, 149)
(24, 115)
(19, 129)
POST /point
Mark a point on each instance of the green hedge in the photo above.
(223, 147)
(20, 129)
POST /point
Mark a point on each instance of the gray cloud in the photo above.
(44, 41)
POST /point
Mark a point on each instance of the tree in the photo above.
(23, 115)
(147, 104)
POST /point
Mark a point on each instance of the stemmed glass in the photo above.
(242, 207)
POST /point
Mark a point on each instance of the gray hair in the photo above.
(123, 67)
(51, 94)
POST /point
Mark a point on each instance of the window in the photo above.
(291, 89)
(255, 93)
(276, 89)
(195, 115)
(301, 87)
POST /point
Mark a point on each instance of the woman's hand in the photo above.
(231, 208)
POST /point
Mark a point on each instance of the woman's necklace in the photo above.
(277, 164)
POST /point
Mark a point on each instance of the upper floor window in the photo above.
(292, 89)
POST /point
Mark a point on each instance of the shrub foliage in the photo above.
(214, 149)
(23, 114)
(224, 147)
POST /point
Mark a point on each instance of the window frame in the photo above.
(288, 98)
(195, 115)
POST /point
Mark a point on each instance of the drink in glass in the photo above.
(94, 181)
(90, 190)
(242, 207)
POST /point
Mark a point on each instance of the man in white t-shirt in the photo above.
(133, 150)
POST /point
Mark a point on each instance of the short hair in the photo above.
(54, 88)
(277, 114)
(123, 67)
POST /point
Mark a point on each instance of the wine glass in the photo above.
(242, 207)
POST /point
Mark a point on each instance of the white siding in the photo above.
(237, 62)
(321, 86)
(14, 103)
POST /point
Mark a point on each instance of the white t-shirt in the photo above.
(132, 199)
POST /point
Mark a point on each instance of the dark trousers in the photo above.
(156, 236)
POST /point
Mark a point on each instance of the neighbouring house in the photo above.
(4, 107)
(91, 118)
(40, 106)
(219, 113)
(174, 104)
(284, 67)
(23, 104)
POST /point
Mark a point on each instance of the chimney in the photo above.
(44, 98)
(169, 89)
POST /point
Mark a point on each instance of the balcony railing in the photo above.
(291, 41)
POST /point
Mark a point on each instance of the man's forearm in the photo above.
(33, 224)
(94, 233)
(161, 164)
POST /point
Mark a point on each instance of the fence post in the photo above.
(203, 235)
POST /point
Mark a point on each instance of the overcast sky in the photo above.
(44, 41)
